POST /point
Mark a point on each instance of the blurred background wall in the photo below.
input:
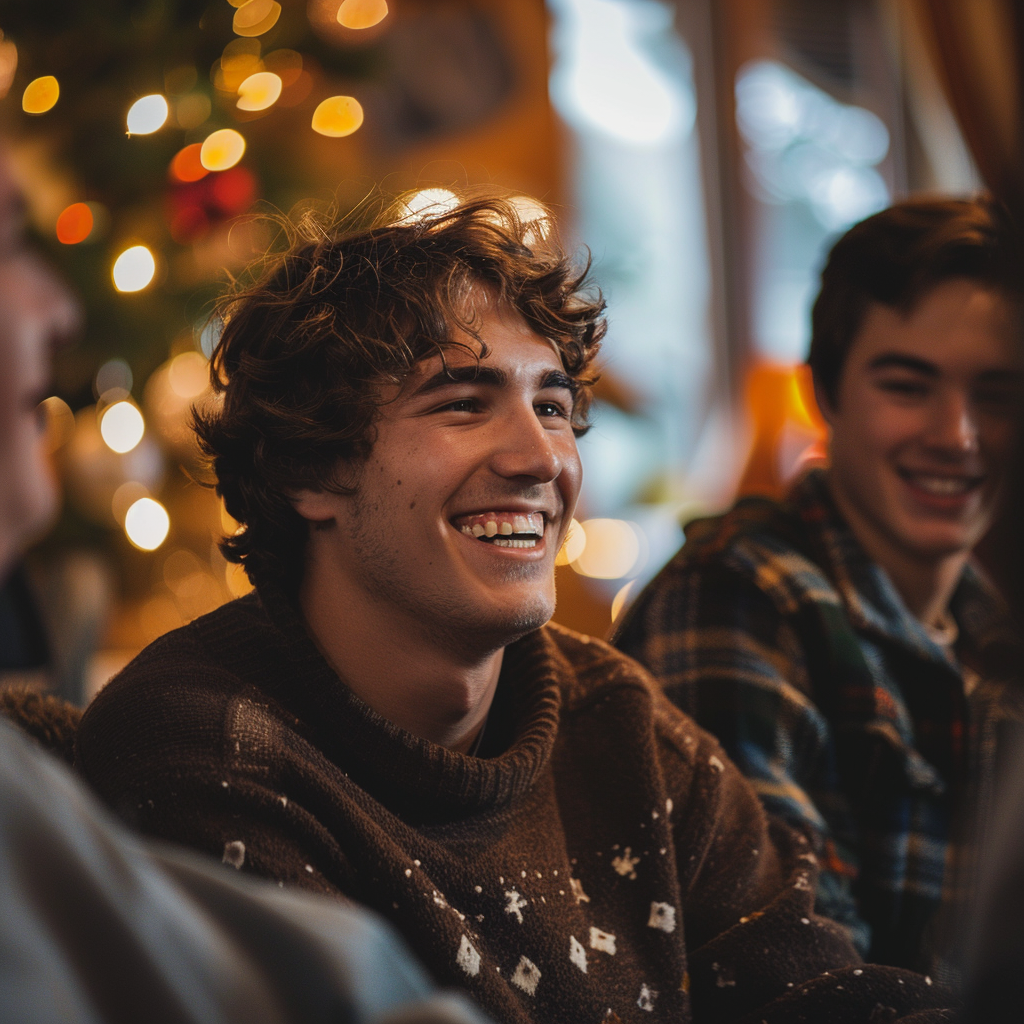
(706, 151)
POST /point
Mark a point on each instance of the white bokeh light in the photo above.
(134, 269)
(146, 115)
(147, 524)
(122, 427)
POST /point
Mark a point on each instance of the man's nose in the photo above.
(525, 448)
(954, 426)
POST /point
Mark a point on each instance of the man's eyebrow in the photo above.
(472, 374)
(559, 379)
(889, 360)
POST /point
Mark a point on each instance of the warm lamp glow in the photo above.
(147, 524)
(256, 17)
(134, 269)
(148, 114)
(338, 116)
(222, 149)
(427, 203)
(122, 427)
(573, 545)
(362, 13)
(259, 91)
(612, 549)
(75, 224)
(40, 95)
(189, 374)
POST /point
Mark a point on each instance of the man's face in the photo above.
(35, 315)
(467, 494)
(924, 421)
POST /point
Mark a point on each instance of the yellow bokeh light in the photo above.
(40, 95)
(188, 374)
(134, 269)
(147, 114)
(124, 497)
(259, 91)
(60, 421)
(338, 116)
(8, 64)
(574, 543)
(147, 524)
(612, 549)
(240, 59)
(362, 13)
(255, 17)
(222, 149)
(122, 426)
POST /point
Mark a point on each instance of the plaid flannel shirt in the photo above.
(773, 629)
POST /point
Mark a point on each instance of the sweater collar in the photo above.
(421, 781)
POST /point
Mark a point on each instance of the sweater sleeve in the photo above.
(755, 947)
(727, 655)
(174, 751)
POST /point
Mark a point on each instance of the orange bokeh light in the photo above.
(186, 166)
(75, 224)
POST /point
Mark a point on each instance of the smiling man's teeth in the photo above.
(942, 485)
(504, 529)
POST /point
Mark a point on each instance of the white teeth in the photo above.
(505, 529)
(940, 485)
(491, 528)
(508, 542)
(477, 530)
(468, 530)
(520, 524)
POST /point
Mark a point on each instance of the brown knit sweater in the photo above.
(606, 863)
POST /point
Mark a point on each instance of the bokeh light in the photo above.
(362, 13)
(621, 598)
(147, 114)
(60, 422)
(40, 95)
(255, 17)
(187, 164)
(286, 64)
(188, 374)
(147, 524)
(338, 116)
(573, 545)
(8, 64)
(124, 497)
(114, 375)
(259, 91)
(134, 269)
(122, 426)
(222, 149)
(192, 109)
(425, 204)
(75, 224)
(612, 549)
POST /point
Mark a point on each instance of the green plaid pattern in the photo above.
(773, 629)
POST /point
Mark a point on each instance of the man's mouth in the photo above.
(942, 486)
(503, 529)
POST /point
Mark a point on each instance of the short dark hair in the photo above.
(895, 257)
(308, 345)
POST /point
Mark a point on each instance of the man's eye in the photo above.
(550, 409)
(997, 399)
(905, 388)
(461, 405)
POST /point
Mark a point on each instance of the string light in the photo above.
(222, 149)
(134, 269)
(147, 114)
(147, 524)
(40, 95)
(362, 13)
(259, 91)
(338, 116)
(122, 427)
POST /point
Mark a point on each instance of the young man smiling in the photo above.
(389, 716)
(841, 644)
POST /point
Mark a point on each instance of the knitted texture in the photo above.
(774, 629)
(607, 863)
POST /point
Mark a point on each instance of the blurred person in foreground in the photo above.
(390, 715)
(841, 644)
(94, 927)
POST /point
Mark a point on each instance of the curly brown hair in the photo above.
(309, 344)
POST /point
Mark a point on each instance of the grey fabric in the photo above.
(97, 927)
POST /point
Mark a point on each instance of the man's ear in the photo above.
(315, 506)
